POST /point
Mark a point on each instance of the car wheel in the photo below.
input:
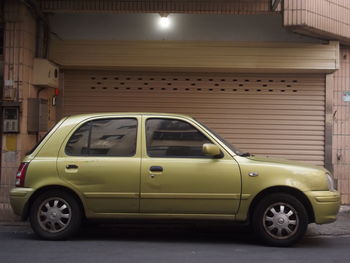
(280, 220)
(55, 215)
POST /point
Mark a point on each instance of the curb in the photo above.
(344, 209)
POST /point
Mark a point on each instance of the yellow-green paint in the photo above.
(188, 188)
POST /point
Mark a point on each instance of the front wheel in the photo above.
(280, 220)
(55, 215)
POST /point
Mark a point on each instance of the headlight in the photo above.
(330, 182)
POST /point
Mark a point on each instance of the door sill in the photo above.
(224, 217)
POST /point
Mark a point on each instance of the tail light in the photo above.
(21, 174)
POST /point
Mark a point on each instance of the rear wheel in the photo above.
(55, 215)
(280, 220)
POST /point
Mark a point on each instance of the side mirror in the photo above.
(212, 150)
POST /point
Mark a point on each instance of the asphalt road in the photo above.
(165, 243)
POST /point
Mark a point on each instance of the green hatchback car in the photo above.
(164, 166)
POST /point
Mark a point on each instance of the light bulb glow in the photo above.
(164, 22)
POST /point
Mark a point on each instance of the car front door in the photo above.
(101, 160)
(176, 176)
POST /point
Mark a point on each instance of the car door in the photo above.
(101, 160)
(176, 176)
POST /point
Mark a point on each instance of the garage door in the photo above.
(275, 115)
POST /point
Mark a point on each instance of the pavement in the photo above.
(341, 227)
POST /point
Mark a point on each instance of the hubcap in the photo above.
(54, 215)
(281, 221)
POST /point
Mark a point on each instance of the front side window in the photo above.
(174, 138)
(104, 137)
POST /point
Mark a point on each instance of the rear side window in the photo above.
(104, 137)
(174, 138)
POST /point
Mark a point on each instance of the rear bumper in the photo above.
(19, 198)
(325, 204)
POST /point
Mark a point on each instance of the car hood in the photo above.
(274, 171)
(267, 159)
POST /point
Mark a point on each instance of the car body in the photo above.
(164, 166)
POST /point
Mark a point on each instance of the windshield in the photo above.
(229, 145)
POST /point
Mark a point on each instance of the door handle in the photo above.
(156, 169)
(72, 166)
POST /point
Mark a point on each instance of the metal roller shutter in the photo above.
(274, 115)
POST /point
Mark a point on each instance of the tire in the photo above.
(280, 220)
(55, 215)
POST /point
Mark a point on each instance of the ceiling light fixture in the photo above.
(164, 21)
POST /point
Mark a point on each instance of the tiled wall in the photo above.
(19, 49)
(341, 126)
(323, 18)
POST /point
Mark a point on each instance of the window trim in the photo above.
(89, 138)
(179, 157)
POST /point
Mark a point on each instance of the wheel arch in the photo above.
(43, 189)
(283, 189)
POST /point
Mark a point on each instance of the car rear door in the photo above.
(101, 159)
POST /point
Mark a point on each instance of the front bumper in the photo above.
(19, 198)
(325, 204)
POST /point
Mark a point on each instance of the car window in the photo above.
(104, 137)
(174, 138)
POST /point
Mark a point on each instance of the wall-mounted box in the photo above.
(45, 73)
(346, 96)
(10, 119)
(9, 90)
(38, 118)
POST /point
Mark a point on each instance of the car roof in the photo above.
(117, 114)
